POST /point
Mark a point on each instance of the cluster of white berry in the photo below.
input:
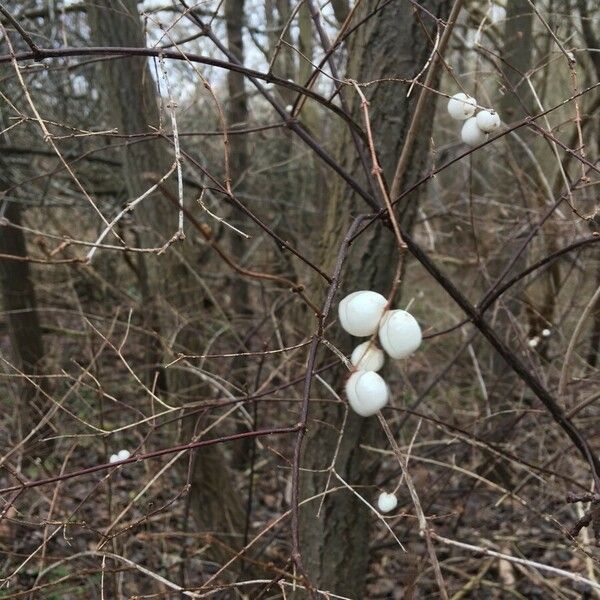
(363, 314)
(535, 340)
(476, 126)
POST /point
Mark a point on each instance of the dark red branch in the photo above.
(148, 455)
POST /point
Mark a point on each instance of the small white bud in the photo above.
(367, 357)
(113, 458)
(360, 312)
(399, 333)
(488, 120)
(386, 502)
(461, 106)
(533, 342)
(367, 392)
(123, 454)
(471, 134)
(546, 332)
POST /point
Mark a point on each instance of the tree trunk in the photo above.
(335, 546)
(497, 248)
(132, 99)
(516, 55)
(591, 37)
(305, 44)
(20, 307)
(237, 117)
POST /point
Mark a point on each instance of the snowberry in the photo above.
(488, 120)
(533, 342)
(546, 332)
(367, 392)
(471, 134)
(123, 454)
(367, 357)
(461, 106)
(386, 502)
(360, 312)
(399, 333)
(113, 458)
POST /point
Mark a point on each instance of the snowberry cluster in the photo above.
(535, 340)
(362, 314)
(476, 126)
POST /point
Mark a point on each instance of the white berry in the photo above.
(386, 502)
(113, 458)
(488, 120)
(123, 454)
(360, 312)
(461, 106)
(399, 333)
(471, 134)
(367, 392)
(546, 332)
(367, 357)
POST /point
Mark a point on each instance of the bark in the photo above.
(334, 546)
(132, 102)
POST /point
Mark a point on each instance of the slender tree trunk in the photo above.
(516, 55)
(285, 59)
(305, 44)
(335, 545)
(592, 42)
(517, 102)
(132, 100)
(20, 305)
(512, 179)
(514, 104)
(341, 9)
(237, 117)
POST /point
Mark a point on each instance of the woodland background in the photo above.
(188, 190)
